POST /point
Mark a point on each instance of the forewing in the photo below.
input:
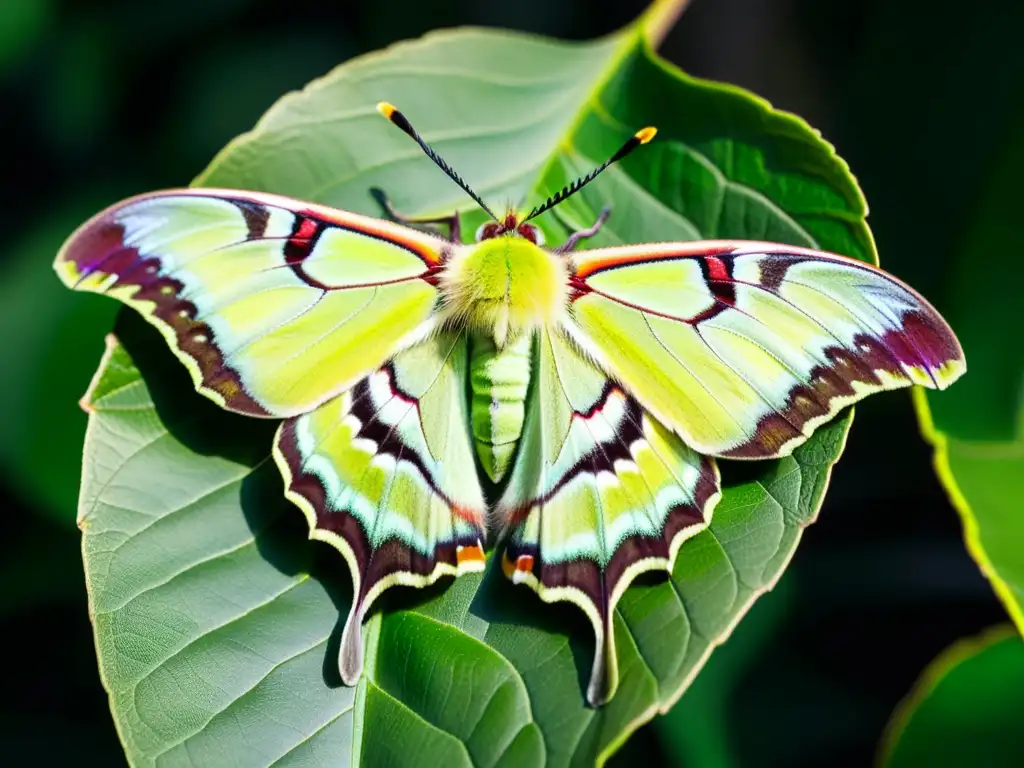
(385, 472)
(274, 305)
(600, 493)
(744, 348)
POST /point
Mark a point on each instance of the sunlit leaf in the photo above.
(217, 622)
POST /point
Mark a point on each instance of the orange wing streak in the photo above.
(469, 554)
(609, 258)
(522, 564)
(431, 257)
(620, 257)
(427, 247)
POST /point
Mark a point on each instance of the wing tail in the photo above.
(368, 469)
(602, 493)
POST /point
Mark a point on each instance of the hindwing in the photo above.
(600, 493)
(385, 473)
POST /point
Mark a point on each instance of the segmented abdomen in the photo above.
(499, 380)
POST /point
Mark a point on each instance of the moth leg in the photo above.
(583, 234)
(452, 221)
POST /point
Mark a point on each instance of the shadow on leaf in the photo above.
(199, 423)
(278, 527)
(500, 602)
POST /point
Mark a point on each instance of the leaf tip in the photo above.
(87, 402)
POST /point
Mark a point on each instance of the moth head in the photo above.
(512, 223)
(531, 233)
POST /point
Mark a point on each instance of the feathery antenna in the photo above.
(642, 136)
(396, 117)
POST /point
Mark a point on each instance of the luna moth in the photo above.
(590, 391)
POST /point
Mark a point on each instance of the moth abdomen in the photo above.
(499, 380)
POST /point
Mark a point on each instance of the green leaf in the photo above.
(978, 429)
(699, 729)
(965, 709)
(217, 622)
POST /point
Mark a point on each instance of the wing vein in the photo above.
(687, 368)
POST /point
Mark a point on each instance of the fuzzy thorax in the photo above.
(505, 286)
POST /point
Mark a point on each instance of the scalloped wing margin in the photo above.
(266, 300)
(601, 493)
(744, 348)
(372, 470)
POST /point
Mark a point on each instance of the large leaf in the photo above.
(965, 710)
(978, 430)
(216, 622)
(703, 729)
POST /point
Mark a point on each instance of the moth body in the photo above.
(499, 380)
(504, 287)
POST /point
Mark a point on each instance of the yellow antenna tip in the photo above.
(386, 109)
(646, 134)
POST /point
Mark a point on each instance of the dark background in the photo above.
(107, 98)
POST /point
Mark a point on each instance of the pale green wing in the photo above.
(385, 473)
(600, 493)
(273, 304)
(744, 348)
